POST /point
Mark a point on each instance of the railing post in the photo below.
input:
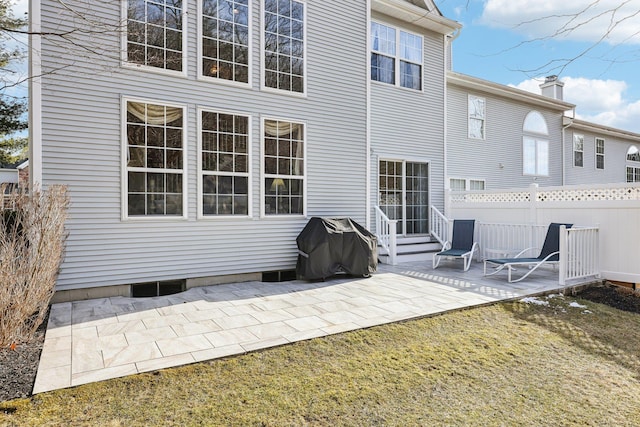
(392, 242)
(533, 202)
(564, 256)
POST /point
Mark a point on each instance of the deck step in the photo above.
(412, 249)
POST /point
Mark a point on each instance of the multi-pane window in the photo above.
(396, 56)
(225, 164)
(535, 156)
(155, 156)
(578, 150)
(633, 174)
(633, 164)
(462, 184)
(283, 168)
(599, 153)
(225, 39)
(284, 45)
(155, 33)
(476, 117)
(535, 145)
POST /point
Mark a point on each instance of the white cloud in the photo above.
(584, 20)
(598, 101)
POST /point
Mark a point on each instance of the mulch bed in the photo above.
(18, 367)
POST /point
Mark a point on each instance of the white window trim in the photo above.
(131, 65)
(578, 135)
(263, 192)
(398, 58)
(265, 88)
(484, 119)
(201, 76)
(467, 182)
(595, 150)
(124, 144)
(199, 189)
(537, 141)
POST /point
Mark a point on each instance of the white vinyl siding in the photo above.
(155, 34)
(82, 128)
(284, 48)
(225, 39)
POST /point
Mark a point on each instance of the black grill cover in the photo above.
(327, 246)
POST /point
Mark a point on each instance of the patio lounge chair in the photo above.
(550, 254)
(462, 244)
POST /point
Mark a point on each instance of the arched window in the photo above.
(535, 145)
(633, 164)
(535, 122)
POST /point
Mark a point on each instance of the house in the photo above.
(197, 137)
(513, 138)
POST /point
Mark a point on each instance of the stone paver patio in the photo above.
(99, 339)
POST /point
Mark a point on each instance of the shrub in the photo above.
(31, 249)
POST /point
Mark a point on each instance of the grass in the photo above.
(506, 364)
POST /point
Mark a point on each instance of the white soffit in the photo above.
(420, 16)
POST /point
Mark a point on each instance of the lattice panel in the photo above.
(592, 194)
(515, 196)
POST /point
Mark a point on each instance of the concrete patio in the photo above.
(94, 340)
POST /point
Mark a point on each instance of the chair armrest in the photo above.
(522, 252)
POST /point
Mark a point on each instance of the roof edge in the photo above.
(471, 82)
(604, 130)
(416, 15)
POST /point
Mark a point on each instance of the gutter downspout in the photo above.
(368, 122)
(564, 148)
(448, 40)
(35, 95)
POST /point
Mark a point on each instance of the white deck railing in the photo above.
(387, 234)
(578, 253)
(507, 240)
(439, 225)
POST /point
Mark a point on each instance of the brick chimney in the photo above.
(552, 87)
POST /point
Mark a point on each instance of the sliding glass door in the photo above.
(403, 195)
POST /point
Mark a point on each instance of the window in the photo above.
(283, 168)
(599, 153)
(633, 164)
(225, 40)
(155, 158)
(476, 117)
(396, 57)
(224, 164)
(535, 145)
(462, 184)
(155, 33)
(284, 50)
(578, 150)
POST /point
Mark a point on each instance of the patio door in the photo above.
(403, 195)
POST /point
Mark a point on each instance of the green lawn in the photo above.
(506, 364)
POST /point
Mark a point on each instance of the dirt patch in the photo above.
(613, 296)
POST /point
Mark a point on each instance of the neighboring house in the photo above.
(197, 139)
(502, 137)
(599, 154)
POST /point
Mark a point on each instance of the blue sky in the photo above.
(494, 44)
(509, 42)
